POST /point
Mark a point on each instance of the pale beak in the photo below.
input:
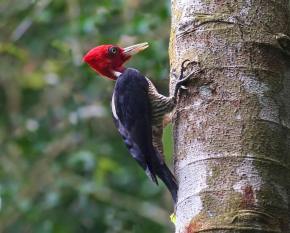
(131, 50)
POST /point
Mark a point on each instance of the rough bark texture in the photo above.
(231, 127)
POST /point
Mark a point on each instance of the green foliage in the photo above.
(63, 166)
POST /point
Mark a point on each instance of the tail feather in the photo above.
(164, 173)
(151, 175)
(169, 180)
(153, 163)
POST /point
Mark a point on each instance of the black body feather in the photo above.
(132, 115)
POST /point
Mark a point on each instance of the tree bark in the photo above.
(231, 127)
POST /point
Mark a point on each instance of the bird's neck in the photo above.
(118, 72)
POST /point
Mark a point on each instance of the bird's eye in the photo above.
(113, 50)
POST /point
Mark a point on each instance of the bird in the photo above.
(138, 109)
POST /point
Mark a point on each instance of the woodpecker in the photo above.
(138, 109)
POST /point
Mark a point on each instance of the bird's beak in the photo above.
(131, 50)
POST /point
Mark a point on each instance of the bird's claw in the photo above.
(184, 67)
(182, 79)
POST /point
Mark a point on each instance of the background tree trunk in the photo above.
(231, 128)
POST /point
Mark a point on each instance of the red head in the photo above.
(108, 60)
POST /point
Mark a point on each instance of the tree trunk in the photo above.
(231, 127)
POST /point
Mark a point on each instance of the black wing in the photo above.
(132, 117)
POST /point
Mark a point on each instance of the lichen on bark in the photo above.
(231, 127)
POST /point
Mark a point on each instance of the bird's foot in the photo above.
(180, 84)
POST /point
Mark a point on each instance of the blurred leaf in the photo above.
(105, 166)
(12, 50)
(82, 160)
(33, 80)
